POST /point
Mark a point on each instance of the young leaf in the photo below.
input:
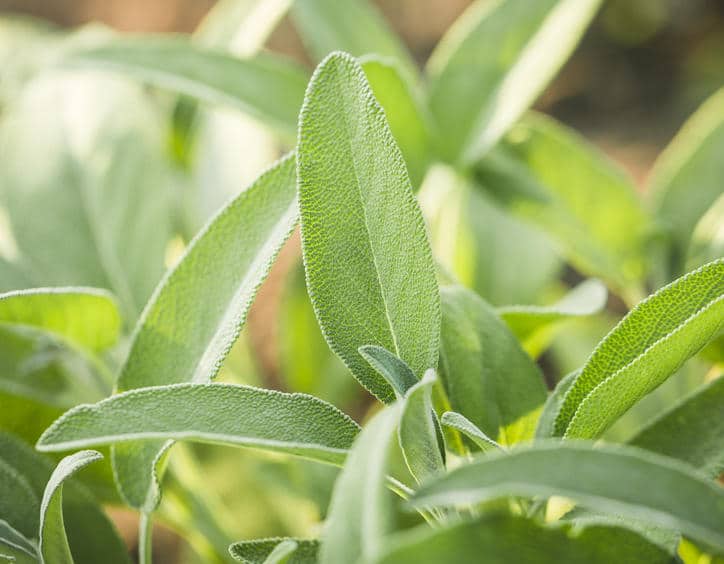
(87, 317)
(53, 544)
(535, 326)
(488, 377)
(505, 538)
(395, 371)
(370, 272)
(692, 430)
(196, 312)
(546, 422)
(361, 513)
(19, 504)
(259, 551)
(643, 350)
(691, 159)
(462, 424)
(612, 479)
(488, 69)
(267, 87)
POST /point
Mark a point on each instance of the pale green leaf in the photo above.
(266, 87)
(229, 414)
(53, 545)
(535, 326)
(613, 479)
(362, 513)
(19, 504)
(643, 350)
(692, 430)
(196, 313)
(462, 424)
(589, 206)
(493, 63)
(488, 377)
(14, 543)
(503, 539)
(370, 272)
(686, 179)
(259, 551)
(547, 420)
(395, 371)
(84, 316)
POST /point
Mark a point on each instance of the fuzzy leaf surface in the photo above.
(258, 551)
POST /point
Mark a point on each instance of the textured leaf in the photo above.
(488, 67)
(488, 377)
(469, 429)
(691, 160)
(215, 413)
(370, 272)
(15, 547)
(692, 430)
(398, 375)
(589, 207)
(258, 551)
(613, 479)
(643, 350)
(361, 513)
(547, 420)
(504, 538)
(354, 26)
(535, 326)
(101, 184)
(267, 87)
(197, 311)
(53, 544)
(84, 316)
(19, 504)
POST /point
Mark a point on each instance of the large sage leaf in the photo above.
(53, 545)
(692, 159)
(362, 513)
(488, 377)
(370, 272)
(488, 68)
(504, 538)
(266, 86)
(258, 551)
(692, 430)
(613, 479)
(643, 350)
(214, 413)
(84, 316)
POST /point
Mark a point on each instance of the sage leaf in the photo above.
(266, 86)
(692, 430)
(691, 159)
(643, 350)
(259, 551)
(369, 266)
(53, 544)
(611, 479)
(19, 504)
(547, 420)
(87, 317)
(394, 370)
(506, 538)
(362, 513)
(488, 377)
(535, 326)
(211, 287)
(478, 89)
(15, 547)
(462, 424)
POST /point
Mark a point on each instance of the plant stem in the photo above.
(145, 528)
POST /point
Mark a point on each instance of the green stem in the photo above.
(145, 528)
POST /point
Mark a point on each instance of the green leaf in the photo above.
(19, 504)
(488, 377)
(462, 424)
(691, 159)
(229, 414)
(535, 326)
(643, 350)
(404, 111)
(198, 309)
(266, 87)
(589, 207)
(14, 544)
(259, 551)
(354, 26)
(370, 272)
(692, 430)
(505, 538)
(621, 480)
(101, 183)
(361, 513)
(546, 422)
(488, 69)
(53, 544)
(395, 371)
(84, 316)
